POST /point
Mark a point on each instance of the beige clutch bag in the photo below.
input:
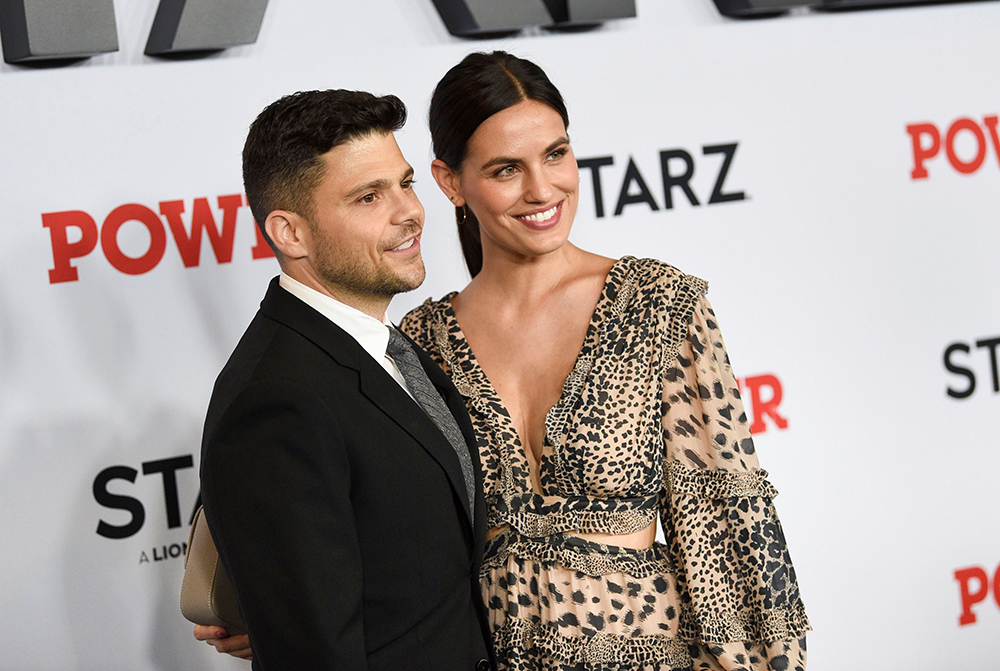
(207, 596)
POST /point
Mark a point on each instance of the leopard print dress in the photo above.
(650, 424)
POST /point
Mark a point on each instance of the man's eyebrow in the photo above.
(506, 160)
(377, 184)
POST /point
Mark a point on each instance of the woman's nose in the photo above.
(538, 187)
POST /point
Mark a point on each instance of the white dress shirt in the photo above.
(371, 334)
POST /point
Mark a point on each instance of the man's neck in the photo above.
(373, 305)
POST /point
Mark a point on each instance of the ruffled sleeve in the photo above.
(741, 603)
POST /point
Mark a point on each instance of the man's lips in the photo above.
(407, 245)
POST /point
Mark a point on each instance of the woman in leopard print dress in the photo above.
(603, 400)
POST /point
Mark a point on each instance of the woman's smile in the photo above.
(541, 219)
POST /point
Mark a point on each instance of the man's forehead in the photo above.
(366, 158)
(368, 148)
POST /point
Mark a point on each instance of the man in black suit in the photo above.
(340, 510)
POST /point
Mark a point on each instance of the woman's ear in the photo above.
(289, 232)
(447, 180)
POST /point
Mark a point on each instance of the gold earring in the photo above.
(464, 215)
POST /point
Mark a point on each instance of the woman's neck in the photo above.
(510, 279)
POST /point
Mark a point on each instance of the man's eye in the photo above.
(558, 153)
(408, 184)
(368, 198)
(506, 171)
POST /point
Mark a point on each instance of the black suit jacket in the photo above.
(337, 505)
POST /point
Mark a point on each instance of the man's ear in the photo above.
(289, 232)
(447, 180)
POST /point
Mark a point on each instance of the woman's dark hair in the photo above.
(469, 94)
(282, 156)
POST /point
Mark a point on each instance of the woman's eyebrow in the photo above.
(505, 160)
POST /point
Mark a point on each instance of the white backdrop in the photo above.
(838, 274)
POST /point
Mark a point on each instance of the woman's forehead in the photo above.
(525, 128)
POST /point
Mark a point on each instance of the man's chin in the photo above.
(413, 279)
(401, 283)
(410, 285)
(385, 282)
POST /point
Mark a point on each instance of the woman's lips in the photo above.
(542, 219)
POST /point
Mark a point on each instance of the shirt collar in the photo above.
(371, 334)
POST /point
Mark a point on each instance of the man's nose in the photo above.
(407, 208)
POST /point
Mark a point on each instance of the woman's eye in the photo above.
(506, 171)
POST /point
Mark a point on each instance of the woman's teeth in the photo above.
(541, 216)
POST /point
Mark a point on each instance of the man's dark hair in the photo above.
(282, 163)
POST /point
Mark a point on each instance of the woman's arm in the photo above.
(742, 605)
(219, 638)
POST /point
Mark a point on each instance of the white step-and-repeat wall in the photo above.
(843, 205)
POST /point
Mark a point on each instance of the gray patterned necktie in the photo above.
(428, 398)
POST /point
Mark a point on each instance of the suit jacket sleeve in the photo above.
(277, 492)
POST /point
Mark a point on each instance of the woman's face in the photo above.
(521, 180)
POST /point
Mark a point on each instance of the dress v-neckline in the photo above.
(556, 416)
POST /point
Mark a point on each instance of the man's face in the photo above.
(367, 221)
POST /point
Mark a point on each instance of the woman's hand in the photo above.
(219, 638)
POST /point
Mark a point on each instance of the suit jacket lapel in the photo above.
(456, 403)
(376, 384)
(404, 410)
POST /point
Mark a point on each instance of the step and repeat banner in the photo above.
(835, 176)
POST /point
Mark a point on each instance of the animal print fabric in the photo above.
(650, 425)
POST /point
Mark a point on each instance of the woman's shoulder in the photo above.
(419, 323)
(661, 278)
